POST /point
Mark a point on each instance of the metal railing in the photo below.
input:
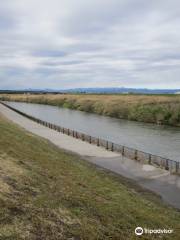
(143, 157)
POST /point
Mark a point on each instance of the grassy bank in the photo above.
(46, 193)
(163, 109)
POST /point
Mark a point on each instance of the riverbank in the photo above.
(150, 177)
(158, 109)
(47, 193)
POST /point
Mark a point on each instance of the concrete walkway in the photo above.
(61, 140)
(154, 179)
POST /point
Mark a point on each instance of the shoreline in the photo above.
(155, 179)
(158, 110)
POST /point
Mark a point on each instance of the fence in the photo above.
(143, 157)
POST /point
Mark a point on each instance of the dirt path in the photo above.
(154, 179)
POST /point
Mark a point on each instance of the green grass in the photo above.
(46, 193)
(163, 109)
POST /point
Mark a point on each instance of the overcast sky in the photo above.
(89, 43)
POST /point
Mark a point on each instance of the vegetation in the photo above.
(49, 194)
(164, 109)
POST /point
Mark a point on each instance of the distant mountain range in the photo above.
(121, 90)
(124, 90)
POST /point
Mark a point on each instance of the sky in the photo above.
(61, 44)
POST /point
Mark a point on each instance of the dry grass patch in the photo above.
(49, 194)
(144, 108)
(9, 166)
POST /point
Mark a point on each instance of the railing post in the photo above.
(112, 147)
(98, 142)
(167, 165)
(123, 151)
(150, 159)
(177, 167)
(107, 145)
(135, 155)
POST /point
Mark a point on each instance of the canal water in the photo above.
(159, 140)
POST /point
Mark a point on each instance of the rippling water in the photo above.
(159, 140)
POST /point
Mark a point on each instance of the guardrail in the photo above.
(143, 157)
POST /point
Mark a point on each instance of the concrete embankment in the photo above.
(154, 179)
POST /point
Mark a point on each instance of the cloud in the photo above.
(97, 43)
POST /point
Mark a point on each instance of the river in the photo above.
(159, 140)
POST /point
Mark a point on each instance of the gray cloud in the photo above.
(97, 43)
